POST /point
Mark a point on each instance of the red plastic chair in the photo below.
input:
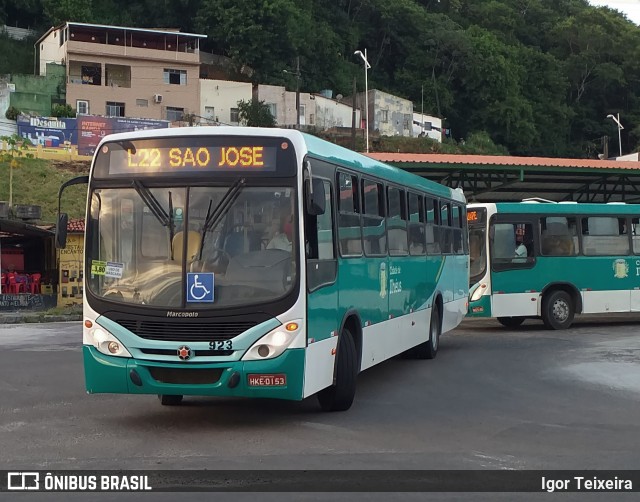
(15, 287)
(35, 284)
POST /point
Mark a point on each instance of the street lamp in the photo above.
(620, 128)
(366, 91)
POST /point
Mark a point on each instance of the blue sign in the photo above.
(200, 287)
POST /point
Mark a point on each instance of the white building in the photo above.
(429, 125)
(219, 101)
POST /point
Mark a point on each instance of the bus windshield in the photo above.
(476, 219)
(143, 243)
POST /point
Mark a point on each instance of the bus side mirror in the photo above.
(315, 198)
(61, 231)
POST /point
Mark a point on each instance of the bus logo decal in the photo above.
(620, 269)
(383, 280)
(184, 353)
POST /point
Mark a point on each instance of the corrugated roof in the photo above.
(438, 158)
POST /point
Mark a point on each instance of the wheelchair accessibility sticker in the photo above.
(199, 287)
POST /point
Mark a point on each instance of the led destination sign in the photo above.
(196, 155)
(229, 157)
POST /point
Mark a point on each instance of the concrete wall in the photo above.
(330, 113)
(217, 97)
(285, 103)
(391, 115)
(35, 93)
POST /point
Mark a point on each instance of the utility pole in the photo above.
(353, 117)
(298, 92)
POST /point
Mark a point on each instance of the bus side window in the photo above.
(433, 247)
(320, 244)
(349, 229)
(558, 236)
(396, 222)
(605, 236)
(635, 234)
(417, 243)
(373, 221)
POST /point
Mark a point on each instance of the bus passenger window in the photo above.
(512, 244)
(558, 236)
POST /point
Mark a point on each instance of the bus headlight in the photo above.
(106, 343)
(477, 293)
(273, 343)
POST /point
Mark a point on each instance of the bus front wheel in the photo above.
(170, 399)
(557, 310)
(339, 396)
(511, 322)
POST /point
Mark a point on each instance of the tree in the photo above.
(58, 110)
(13, 149)
(255, 113)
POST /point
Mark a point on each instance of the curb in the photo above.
(37, 318)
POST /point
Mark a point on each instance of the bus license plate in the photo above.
(278, 380)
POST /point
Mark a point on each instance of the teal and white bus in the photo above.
(266, 263)
(540, 259)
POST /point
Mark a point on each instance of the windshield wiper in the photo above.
(166, 220)
(212, 219)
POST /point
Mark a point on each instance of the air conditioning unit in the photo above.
(157, 98)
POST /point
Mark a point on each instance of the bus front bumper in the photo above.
(480, 308)
(263, 379)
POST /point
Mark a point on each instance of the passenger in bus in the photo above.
(283, 236)
(521, 249)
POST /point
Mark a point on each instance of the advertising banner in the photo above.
(85, 132)
(49, 132)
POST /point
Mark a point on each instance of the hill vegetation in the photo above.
(538, 77)
(37, 182)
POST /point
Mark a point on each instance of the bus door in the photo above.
(513, 250)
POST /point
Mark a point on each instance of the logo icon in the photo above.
(184, 353)
(620, 269)
(23, 481)
(200, 287)
(383, 280)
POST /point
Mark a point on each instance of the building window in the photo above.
(178, 77)
(115, 109)
(384, 115)
(82, 107)
(91, 74)
(273, 109)
(407, 121)
(311, 118)
(234, 115)
(174, 113)
(142, 102)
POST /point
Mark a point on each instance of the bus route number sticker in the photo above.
(98, 267)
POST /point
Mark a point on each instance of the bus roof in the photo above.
(331, 152)
(562, 208)
(315, 146)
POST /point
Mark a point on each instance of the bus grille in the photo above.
(186, 332)
(186, 376)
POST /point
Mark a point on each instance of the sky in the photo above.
(631, 8)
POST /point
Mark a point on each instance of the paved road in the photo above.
(493, 399)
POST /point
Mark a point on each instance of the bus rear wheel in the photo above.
(339, 396)
(511, 322)
(557, 310)
(429, 349)
(170, 399)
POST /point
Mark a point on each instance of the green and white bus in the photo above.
(265, 263)
(540, 259)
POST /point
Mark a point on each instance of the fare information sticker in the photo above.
(98, 267)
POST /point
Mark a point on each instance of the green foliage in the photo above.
(538, 76)
(12, 113)
(254, 113)
(59, 110)
(16, 56)
(33, 182)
